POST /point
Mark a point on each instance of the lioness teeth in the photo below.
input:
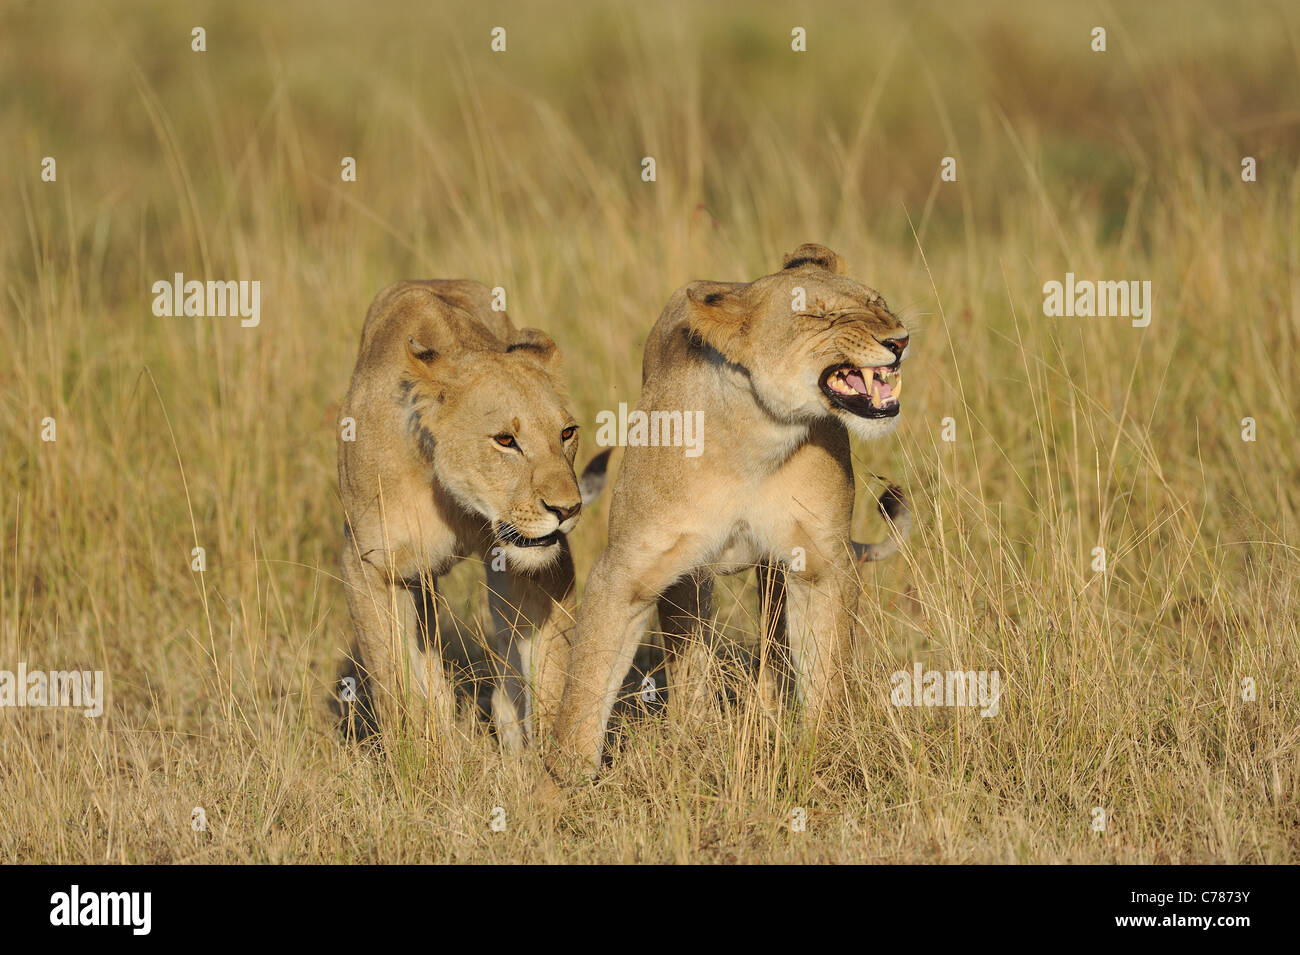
(878, 384)
(838, 383)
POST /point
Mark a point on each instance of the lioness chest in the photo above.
(761, 526)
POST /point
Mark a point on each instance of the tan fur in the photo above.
(774, 475)
(425, 483)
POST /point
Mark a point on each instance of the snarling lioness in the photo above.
(460, 445)
(784, 368)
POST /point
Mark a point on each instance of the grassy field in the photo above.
(1122, 689)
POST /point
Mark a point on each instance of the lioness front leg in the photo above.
(396, 634)
(533, 612)
(611, 623)
(817, 626)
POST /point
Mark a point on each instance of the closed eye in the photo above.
(506, 440)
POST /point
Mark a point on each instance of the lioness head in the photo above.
(814, 342)
(505, 440)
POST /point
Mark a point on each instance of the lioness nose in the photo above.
(896, 345)
(563, 513)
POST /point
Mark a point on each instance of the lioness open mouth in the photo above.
(508, 535)
(866, 392)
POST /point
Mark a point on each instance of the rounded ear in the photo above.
(724, 295)
(536, 343)
(719, 318)
(810, 254)
(420, 352)
(427, 363)
(433, 318)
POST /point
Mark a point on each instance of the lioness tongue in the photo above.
(854, 381)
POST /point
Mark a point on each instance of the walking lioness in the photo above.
(783, 369)
(459, 443)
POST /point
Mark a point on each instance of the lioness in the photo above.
(784, 368)
(462, 445)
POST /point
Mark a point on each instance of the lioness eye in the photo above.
(506, 440)
(569, 432)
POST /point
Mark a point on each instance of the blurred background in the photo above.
(523, 169)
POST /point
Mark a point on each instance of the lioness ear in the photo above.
(537, 343)
(427, 363)
(420, 352)
(719, 318)
(817, 256)
(432, 323)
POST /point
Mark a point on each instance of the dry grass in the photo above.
(1121, 690)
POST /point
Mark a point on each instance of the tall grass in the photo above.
(1122, 689)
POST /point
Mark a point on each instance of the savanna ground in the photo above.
(1121, 689)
